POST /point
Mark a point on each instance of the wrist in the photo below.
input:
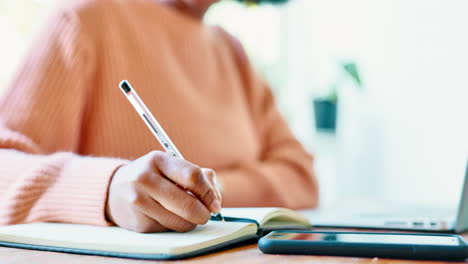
(107, 210)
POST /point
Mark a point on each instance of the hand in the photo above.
(158, 192)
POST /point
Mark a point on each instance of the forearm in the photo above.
(283, 181)
(61, 187)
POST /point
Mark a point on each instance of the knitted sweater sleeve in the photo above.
(41, 112)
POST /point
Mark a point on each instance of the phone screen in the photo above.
(370, 238)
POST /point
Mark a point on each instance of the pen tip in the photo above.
(218, 217)
(125, 86)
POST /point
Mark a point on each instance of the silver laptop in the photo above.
(358, 214)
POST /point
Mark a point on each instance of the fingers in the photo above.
(189, 177)
(174, 199)
(159, 218)
(145, 224)
(157, 192)
(212, 180)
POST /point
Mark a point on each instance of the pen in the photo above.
(154, 126)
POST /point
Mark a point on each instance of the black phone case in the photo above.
(335, 248)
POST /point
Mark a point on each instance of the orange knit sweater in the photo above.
(65, 126)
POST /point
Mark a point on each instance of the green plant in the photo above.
(255, 2)
(352, 70)
(348, 69)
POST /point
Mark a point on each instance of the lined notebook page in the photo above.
(121, 240)
(257, 214)
(267, 214)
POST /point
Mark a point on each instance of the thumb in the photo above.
(213, 181)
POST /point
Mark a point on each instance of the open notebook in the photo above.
(241, 224)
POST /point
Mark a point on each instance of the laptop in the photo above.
(359, 214)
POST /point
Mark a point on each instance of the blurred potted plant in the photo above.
(325, 108)
(255, 2)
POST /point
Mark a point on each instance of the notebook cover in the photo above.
(142, 255)
(130, 255)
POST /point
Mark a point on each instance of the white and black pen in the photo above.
(153, 125)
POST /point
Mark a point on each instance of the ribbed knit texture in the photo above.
(65, 126)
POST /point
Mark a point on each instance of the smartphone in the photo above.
(382, 245)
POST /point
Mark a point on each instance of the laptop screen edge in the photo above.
(461, 223)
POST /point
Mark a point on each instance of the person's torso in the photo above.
(186, 74)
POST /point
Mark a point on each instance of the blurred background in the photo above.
(376, 89)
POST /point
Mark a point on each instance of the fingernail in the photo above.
(215, 206)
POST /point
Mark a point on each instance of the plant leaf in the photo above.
(352, 69)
